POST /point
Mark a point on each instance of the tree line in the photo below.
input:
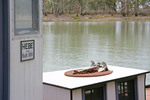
(89, 7)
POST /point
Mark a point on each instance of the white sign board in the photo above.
(27, 50)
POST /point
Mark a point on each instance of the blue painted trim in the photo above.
(105, 91)
(116, 90)
(83, 95)
(6, 50)
(1, 50)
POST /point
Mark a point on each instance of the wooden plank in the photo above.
(55, 93)
(111, 91)
(141, 87)
(26, 77)
(77, 94)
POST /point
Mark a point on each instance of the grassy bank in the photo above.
(73, 18)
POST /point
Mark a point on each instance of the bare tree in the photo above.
(136, 9)
(77, 7)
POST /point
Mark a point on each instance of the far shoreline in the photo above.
(91, 18)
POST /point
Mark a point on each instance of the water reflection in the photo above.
(74, 44)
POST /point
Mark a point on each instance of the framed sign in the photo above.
(27, 50)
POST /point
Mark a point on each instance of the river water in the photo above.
(74, 44)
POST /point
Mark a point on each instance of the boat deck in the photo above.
(147, 93)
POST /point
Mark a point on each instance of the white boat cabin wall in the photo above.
(122, 84)
(25, 50)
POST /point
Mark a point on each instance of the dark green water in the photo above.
(74, 44)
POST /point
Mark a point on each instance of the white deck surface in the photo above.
(58, 78)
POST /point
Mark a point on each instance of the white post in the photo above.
(77, 94)
(25, 56)
(141, 87)
(111, 91)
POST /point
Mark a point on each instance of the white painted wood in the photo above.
(55, 93)
(25, 77)
(77, 94)
(141, 87)
(59, 79)
(111, 91)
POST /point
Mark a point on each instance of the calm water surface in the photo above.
(74, 44)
